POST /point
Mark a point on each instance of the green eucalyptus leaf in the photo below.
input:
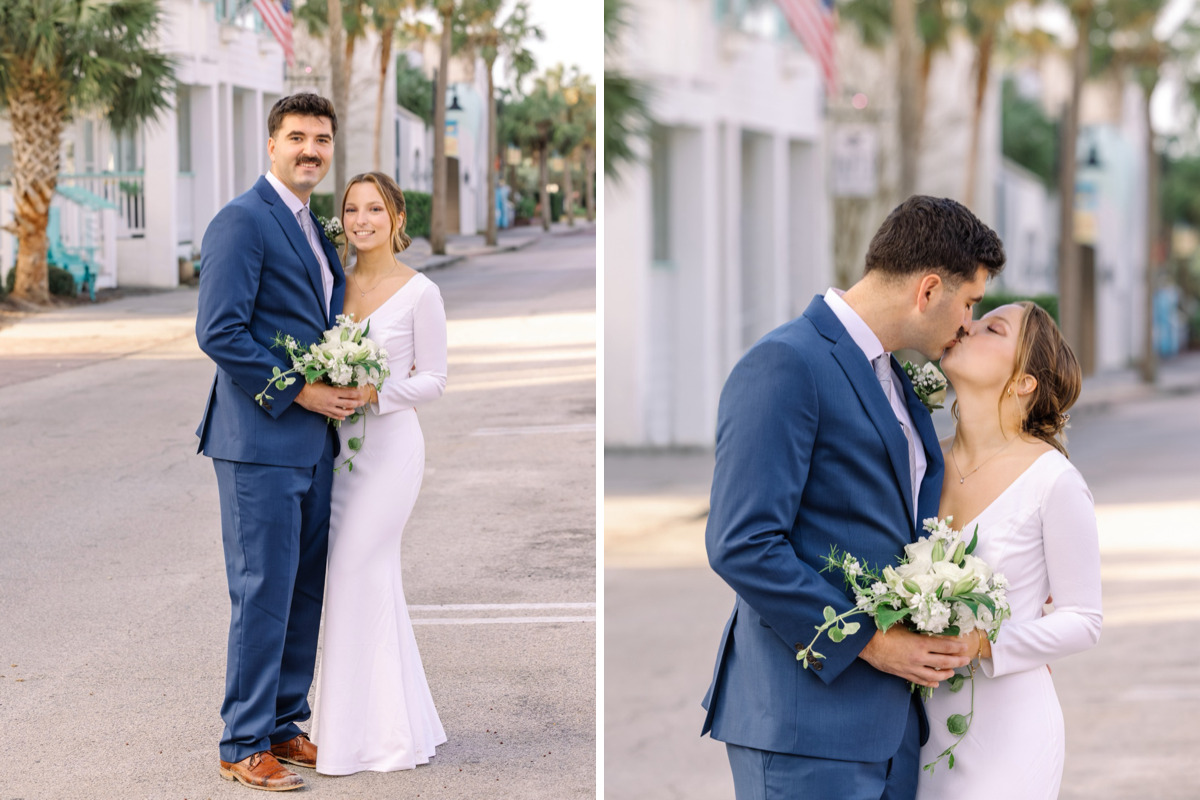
(830, 614)
(951, 631)
(836, 635)
(957, 724)
(355, 443)
(851, 628)
(950, 762)
(887, 616)
(956, 682)
(974, 541)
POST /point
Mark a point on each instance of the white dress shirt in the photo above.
(301, 212)
(872, 348)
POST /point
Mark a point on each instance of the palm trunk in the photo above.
(339, 87)
(36, 112)
(437, 217)
(589, 182)
(904, 25)
(1149, 366)
(1069, 282)
(982, 75)
(385, 57)
(568, 189)
(544, 178)
(493, 149)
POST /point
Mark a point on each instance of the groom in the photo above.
(265, 268)
(821, 442)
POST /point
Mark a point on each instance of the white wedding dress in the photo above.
(373, 709)
(1040, 533)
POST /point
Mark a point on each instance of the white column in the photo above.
(225, 136)
(257, 128)
(206, 156)
(626, 292)
(780, 278)
(731, 215)
(160, 266)
(713, 229)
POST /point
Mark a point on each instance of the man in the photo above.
(821, 441)
(266, 268)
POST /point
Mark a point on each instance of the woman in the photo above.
(1007, 472)
(373, 707)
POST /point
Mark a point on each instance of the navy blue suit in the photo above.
(259, 276)
(810, 455)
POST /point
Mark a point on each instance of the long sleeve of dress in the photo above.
(1072, 556)
(403, 391)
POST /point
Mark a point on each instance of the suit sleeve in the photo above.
(766, 431)
(231, 265)
(1071, 546)
(428, 381)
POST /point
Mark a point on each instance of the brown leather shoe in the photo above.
(299, 751)
(262, 771)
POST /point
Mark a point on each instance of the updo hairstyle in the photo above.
(1043, 353)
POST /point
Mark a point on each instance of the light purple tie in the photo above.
(883, 371)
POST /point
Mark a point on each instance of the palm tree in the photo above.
(385, 16)
(625, 114)
(531, 123)
(478, 33)
(343, 23)
(59, 58)
(581, 110)
(983, 20)
(446, 10)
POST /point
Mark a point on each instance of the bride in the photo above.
(1007, 472)
(373, 707)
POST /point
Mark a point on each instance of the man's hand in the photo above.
(335, 402)
(922, 659)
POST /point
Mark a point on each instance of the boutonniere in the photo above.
(333, 229)
(929, 384)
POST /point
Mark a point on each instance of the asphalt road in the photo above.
(1130, 704)
(113, 603)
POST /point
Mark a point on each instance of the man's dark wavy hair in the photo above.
(930, 234)
(306, 104)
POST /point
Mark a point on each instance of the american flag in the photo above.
(813, 22)
(277, 14)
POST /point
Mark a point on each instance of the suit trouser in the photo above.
(763, 775)
(275, 529)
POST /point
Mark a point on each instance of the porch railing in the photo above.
(124, 190)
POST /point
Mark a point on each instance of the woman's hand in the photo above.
(980, 645)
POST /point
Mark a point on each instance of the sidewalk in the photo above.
(419, 254)
(656, 501)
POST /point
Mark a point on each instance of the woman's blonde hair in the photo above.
(393, 201)
(1044, 354)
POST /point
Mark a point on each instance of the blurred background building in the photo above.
(764, 166)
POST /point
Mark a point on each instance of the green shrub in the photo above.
(321, 205)
(993, 300)
(61, 282)
(557, 200)
(526, 207)
(420, 207)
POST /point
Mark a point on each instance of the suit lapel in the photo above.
(295, 236)
(931, 488)
(861, 375)
(337, 299)
(866, 385)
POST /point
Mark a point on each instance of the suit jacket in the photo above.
(258, 277)
(809, 455)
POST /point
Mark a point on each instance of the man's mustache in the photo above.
(300, 162)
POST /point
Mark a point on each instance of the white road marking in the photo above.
(500, 606)
(496, 620)
(581, 427)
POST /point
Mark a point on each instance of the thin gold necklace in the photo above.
(357, 285)
(962, 478)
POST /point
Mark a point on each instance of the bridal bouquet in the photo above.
(938, 588)
(929, 384)
(345, 356)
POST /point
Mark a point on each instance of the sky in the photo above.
(574, 34)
